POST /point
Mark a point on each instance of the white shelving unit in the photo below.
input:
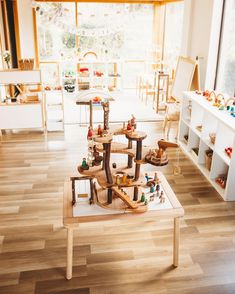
(17, 115)
(211, 120)
(54, 109)
(111, 78)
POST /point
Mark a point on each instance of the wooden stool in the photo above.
(172, 114)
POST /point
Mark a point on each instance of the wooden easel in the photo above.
(187, 77)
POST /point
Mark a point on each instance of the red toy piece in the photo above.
(99, 131)
(129, 126)
(229, 151)
(90, 133)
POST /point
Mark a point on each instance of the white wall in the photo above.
(26, 30)
(199, 26)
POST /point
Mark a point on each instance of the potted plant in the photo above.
(7, 58)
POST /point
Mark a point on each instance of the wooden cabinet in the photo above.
(200, 121)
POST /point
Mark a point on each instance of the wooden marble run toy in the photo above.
(121, 187)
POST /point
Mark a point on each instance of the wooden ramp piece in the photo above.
(125, 198)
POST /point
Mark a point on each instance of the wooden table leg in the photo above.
(176, 241)
(69, 268)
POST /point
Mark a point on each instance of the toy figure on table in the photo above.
(162, 197)
(133, 122)
(129, 126)
(84, 165)
(97, 157)
(99, 131)
(90, 133)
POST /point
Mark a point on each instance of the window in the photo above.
(225, 79)
(173, 32)
(56, 31)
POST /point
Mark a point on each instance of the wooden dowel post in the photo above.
(110, 196)
(135, 198)
(138, 157)
(92, 191)
(69, 269)
(107, 149)
(176, 241)
(129, 163)
(91, 113)
(73, 192)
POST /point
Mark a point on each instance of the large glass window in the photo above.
(173, 32)
(56, 31)
(225, 81)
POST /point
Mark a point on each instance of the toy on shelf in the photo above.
(199, 128)
(98, 74)
(221, 180)
(186, 139)
(212, 137)
(195, 150)
(208, 158)
(229, 151)
(217, 99)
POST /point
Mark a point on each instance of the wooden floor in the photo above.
(111, 257)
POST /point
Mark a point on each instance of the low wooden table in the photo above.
(170, 209)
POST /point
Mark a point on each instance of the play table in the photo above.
(84, 212)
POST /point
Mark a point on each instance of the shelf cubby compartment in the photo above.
(193, 144)
(224, 138)
(230, 187)
(186, 110)
(197, 117)
(210, 126)
(184, 131)
(218, 167)
(203, 147)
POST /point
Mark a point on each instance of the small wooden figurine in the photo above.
(84, 166)
(99, 131)
(162, 197)
(89, 134)
(147, 177)
(151, 198)
(142, 197)
(152, 188)
(124, 177)
(129, 126)
(118, 181)
(97, 157)
(133, 122)
(156, 177)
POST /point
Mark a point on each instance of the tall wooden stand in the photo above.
(130, 162)
(107, 149)
(138, 157)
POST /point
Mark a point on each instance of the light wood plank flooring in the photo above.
(113, 257)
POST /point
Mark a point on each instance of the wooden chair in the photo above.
(186, 79)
